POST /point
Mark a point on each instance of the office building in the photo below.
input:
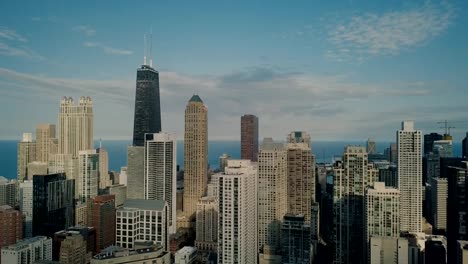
(237, 226)
(36, 168)
(389, 176)
(120, 193)
(429, 142)
(186, 255)
(295, 240)
(272, 193)
(160, 172)
(64, 163)
(410, 177)
(207, 224)
(145, 220)
(195, 154)
(81, 213)
(75, 129)
(136, 172)
(28, 251)
(53, 204)
(8, 192)
(26, 206)
(88, 174)
(101, 216)
(223, 161)
(123, 176)
(439, 188)
(87, 234)
(147, 118)
(104, 177)
(11, 226)
(351, 178)
(143, 253)
(299, 137)
(73, 250)
(300, 179)
(45, 136)
(26, 154)
(388, 250)
(371, 147)
(249, 137)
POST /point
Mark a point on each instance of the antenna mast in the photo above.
(151, 47)
(144, 49)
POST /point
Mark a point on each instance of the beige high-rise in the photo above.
(73, 250)
(75, 130)
(26, 154)
(195, 154)
(45, 135)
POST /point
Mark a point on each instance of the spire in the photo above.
(144, 49)
(151, 47)
(196, 98)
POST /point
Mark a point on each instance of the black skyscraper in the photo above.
(465, 147)
(429, 141)
(147, 105)
(53, 204)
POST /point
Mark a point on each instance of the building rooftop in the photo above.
(186, 250)
(196, 98)
(157, 205)
(22, 243)
(117, 252)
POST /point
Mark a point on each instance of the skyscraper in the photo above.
(351, 178)
(465, 146)
(249, 137)
(295, 240)
(439, 187)
(299, 137)
(195, 154)
(207, 224)
(26, 154)
(371, 147)
(104, 178)
(301, 179)
(26, 206)
(88, 174)
(73, 250)
(136, 172)
(160, 172)
(410, 177)
(75, 130)
(147, 117)
(101, 216)
(11, 227)
(429, 141)
(45, 135)
(8, 189)
(272, 193)
(237, 229)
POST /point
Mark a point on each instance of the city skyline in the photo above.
(240, 60)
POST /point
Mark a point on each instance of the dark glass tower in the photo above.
(147, 105)
(429, 141)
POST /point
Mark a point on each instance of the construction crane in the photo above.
(446, 126)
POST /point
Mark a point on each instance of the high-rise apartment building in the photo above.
(371, 147)
(388, 250)
(301, 179)
(249, 137)
(11, 226)
(64, 163)
(439, 188)
(382, 212)
(8, 189)
(75, 129)
(351, 178)
(272, 193)
(410, 177)
(144, 220)
(299, 137)
(88, 234)
(160, 172)
(237, 225)
(73, 250)
(104, 177)
(195, 154)
(27, 251)
(295, 240)
(53, 204)
(26, 154)
(26, 206)
(36, 168)
(45, 135)
(207, 224)
(101, 216)
(429, 141)
(136, 172)
(147, 117)
(88, 174)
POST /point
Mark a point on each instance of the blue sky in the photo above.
(344, 70)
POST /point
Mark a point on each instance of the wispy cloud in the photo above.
(88, 31)
(390, 33)
(11, 35)
(107, 49)
(13, 44)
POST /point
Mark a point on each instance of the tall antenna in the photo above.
(144, 49)
(151, 47)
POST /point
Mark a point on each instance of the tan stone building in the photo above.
(45, 136)
(73, 250)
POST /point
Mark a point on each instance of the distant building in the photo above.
(104, 176)
(11, 226)
(143, 253)
(101, 216)
(223, 161)
(237, 229)
(81, 213)
(88, 174)
(186, 255)
(145, 220)
(120, 193)
(388, 250)
(36, 168)
(8, 192)
(75, 129)
(135, 172)
(295, 239)
(371, 147)
(160, 172)
(87, 234)
(73, 250)
(53, 204)
(207, 224)
(299, 137)
(45, 136)
(26, 206)
(465, 146)
(249, 137)
(26, 154)
(28, 251)
(439, 188)
(429, 141)
(389, 176)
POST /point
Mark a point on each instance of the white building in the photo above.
(388, 250)
(161, 172)
(207, 224)
(142, 220)
(88, 174)
(26, 154)
(439, 194)
(237, 225)
(272, 193)
(123, 176)
(410, 177)
(75, 129)
(186, 255)
(26, 206)
(28, 251)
